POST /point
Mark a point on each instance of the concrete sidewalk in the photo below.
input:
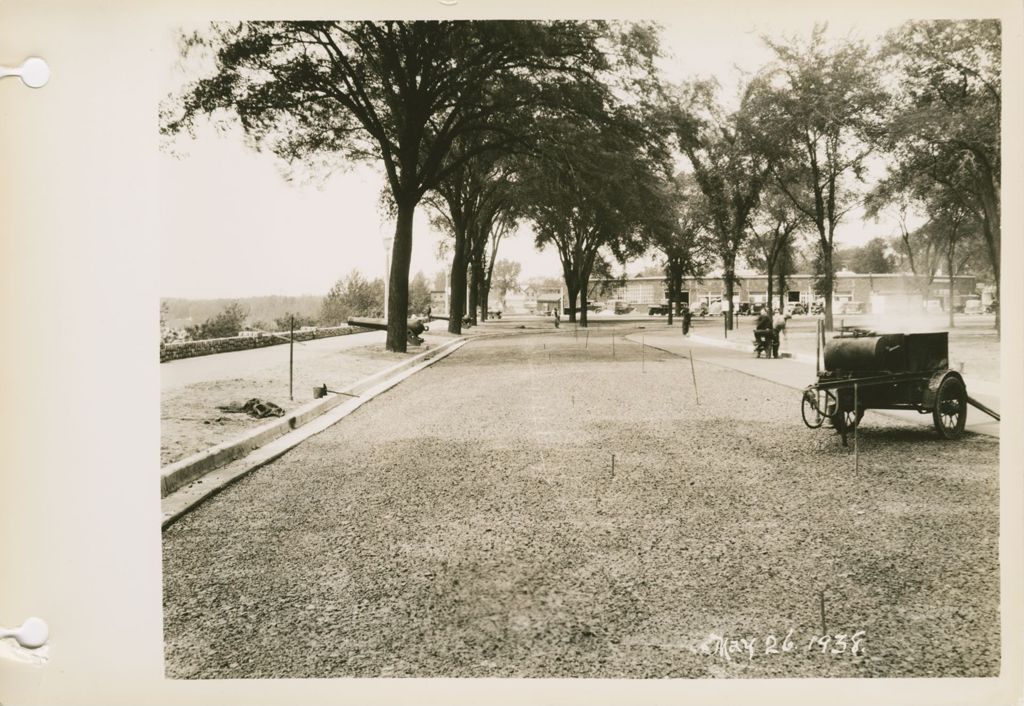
(191, 480)
(798, 371)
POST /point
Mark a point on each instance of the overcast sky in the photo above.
(231, 226)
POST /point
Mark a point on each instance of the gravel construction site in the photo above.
(560, 505)
(190, 418)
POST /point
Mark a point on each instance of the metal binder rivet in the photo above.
(33, 72)
(33, 633)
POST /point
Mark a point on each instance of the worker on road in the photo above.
(778, 329)
(763, 332)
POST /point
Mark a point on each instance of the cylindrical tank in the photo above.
(869, 353)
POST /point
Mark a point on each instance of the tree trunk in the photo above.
(992, 248)
(485, 288)
(457, 305)
(585, 279)
(573, 292)
(570, 291)
(474, 290)
(999, 303)
(730, 276)
(483, 300)
(672, 274)
(671, 295)
(770, 275)
(678, 278)
(781, 267)
(949, 273)
(398, 279)
(826, 261)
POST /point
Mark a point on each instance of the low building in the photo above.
(877, 292)
(532, 300)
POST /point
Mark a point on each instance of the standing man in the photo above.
(763, 332)
(778, 328)
(687, 317)
(558, 316)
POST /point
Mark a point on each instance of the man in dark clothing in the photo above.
(763, 332)
(687, 318)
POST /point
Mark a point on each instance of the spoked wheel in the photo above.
(950, 413)
(816, 406)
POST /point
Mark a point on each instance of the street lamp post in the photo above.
(388, 240)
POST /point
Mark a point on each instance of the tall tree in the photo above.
(399, 93)
(505, 278)
(682, 237)
(594, 190)
(419, 294)
(828, 102)
(731, 157)
(456, 203)
(501, 224)
(493, 220)
(352, 296)
(944, 122)
(872, 257)
(916, 249)
(772, 235)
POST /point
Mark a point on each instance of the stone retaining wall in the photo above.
(191, 349)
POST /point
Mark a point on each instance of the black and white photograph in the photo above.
(567, 349)
(603, 355)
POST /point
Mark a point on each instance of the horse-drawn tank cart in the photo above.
(909, 371)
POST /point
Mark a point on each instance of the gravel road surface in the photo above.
(471, 522)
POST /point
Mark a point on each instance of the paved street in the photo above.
(560, 505)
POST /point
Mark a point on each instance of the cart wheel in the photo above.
(816, 406)
(950, 413)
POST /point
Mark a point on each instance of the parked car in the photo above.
(973, 306)
(494, 313)
(657, 309)
(743, 308)
(796, 309)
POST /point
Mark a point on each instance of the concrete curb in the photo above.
(185, 471)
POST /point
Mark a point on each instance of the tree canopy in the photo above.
(731, 155)
(827, 107)
(397, 93)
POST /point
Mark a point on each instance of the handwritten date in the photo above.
(751, 647)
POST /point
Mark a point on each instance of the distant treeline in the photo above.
(181, 313)
(353, 295)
